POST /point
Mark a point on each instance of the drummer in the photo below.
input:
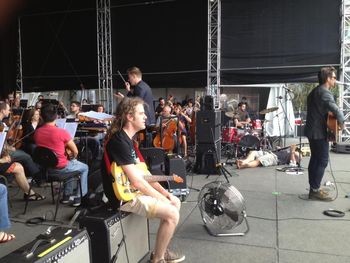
(242, 118)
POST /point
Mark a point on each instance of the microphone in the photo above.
(342, 83)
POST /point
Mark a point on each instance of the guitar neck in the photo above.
(158, 178)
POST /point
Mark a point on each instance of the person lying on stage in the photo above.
(267, 158)
(242, 116)
(153, 201)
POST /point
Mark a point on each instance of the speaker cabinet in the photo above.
(207, 156)
(106, 235)
(176, 165)
(208, 126)
(62, 244)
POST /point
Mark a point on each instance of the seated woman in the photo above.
(7, 166)
(34, 121)
(4, 216)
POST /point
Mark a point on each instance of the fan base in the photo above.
(227, 233)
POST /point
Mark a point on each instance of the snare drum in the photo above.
(256, 124)
(228, 134)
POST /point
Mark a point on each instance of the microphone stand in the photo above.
(287, 91)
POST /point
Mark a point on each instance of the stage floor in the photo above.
(283, 227)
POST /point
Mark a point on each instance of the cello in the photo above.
(165, 135)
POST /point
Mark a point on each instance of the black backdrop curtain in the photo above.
(8, 58)
(290, 39)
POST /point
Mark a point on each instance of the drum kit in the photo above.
(237, 142)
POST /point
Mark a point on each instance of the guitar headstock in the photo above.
(177, 178)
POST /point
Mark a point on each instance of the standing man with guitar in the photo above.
(320, 102)
(153, 201)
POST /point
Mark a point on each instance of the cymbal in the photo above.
(230, 114)
(268, 110)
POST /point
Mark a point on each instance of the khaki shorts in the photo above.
(142, 205)
(266, 158)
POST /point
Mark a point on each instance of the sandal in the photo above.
(6, 237)
(33, 197)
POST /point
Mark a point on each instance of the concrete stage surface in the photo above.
(283, 227)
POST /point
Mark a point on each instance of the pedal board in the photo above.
(340, 147)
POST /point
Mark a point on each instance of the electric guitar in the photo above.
(332, 128)
(122, 188)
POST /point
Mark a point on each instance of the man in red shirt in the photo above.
(58, 140)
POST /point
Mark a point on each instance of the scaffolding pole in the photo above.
(214, 47)
(104, 54)
(19, 72)
(344, 90)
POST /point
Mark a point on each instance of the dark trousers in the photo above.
(30, 167)
(318, 162)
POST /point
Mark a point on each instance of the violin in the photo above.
(15, 132)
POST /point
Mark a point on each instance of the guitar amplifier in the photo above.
(106, 235)
(64, 245)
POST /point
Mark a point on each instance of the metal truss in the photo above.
(104, 54)
(214, 48)
(344, 90)
(19, 73)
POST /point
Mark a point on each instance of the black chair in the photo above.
(48, 159)
(154, 158)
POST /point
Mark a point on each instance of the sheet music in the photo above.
(71, 128)
(97, 115)
(2, 140)
(60, 123)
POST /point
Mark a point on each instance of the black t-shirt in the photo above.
(120, 149)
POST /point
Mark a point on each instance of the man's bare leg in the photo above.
(169, 218)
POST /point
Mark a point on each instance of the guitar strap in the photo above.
(108, 162)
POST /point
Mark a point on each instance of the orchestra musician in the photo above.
(93, 143)
(74, 110)
(167, 139)
(58, 140)
(8, 166)
(153, 201)
(17, 155)
(242, 118)
(183, 119)
(160, 107)
(34, 121)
